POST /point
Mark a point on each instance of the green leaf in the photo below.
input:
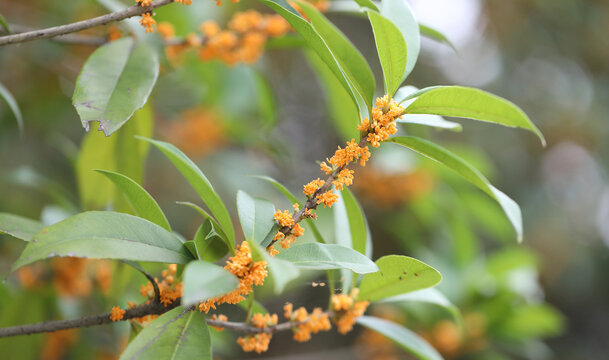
(293, 199)
(210, 242)
(105, 235)
(391, 48)
(367, 4)
(405, 338)
(202, 186)
(313, 40)
(267, 105)
(317, 256)
(4, 24)
(281, 271)
(342, 111)
(429, 296)
(357, 221)
(470, 103)
(399, 12)
(351, 61)
(444, 156)
(397, 275)
(178, 334)
(12, 104)
(216, 227)
(120, 153)
(19, 227)
(115, 81)
(256, 216)
(141, 201)
(204, 280)
(435, 35)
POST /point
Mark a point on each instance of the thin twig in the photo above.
(51, 32)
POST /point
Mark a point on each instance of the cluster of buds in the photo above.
(248, 272)
(383, 121)
(258, 342)
(347, 310)
(306, 324)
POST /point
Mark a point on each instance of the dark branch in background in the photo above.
(151, 308)
(51, 32)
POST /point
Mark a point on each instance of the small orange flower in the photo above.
(219, 318)
(284, 218)
(312, 187)
(166, 30)
(347, 310)
(117, 313)
(328, 198)
(144, 3)
(148, 22)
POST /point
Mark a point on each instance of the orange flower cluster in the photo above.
(248, 272)
(258, 342)
(310, 323)
(393, 190)
(198, 132)
(219, 317)
(383, 121)
(347, 310)
(245, 38)
(452, 342)
(117, 313)
(57, 343)
(285, 219)
(219, 2)
(148, 22)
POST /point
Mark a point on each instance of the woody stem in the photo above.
(51, 32)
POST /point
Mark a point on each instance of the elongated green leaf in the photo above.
(281, 271)
(429, 296)
(317, 256)
(115, 81)
(19, 227)
(293, 199)
(444, 156)
(435, 35)
(178, 334)
(12, 104)
(367, 4)
(399, 12)
(397, 275)
(120, 153)
(141, 201)
(210, 242)
(105, 235)
(4, 24)
(203, 280)
(470, 103)
(357, 221)
(430, 120)
(313, 40)
(199, 182)
(352, 62)
(256, 216)
(405, 338)
(391, 48)
(342, 111)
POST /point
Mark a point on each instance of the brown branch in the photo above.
(151, 308)
(51, 32)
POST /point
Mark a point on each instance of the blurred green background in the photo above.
(545, 299)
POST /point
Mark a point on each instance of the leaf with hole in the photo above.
(397, 275)
(114, 83)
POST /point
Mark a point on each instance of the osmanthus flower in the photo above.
(148, 22)
(258, 342)
(219, 317)
(347, 310)
(248, 272)
(307, 324)
(117, 313)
